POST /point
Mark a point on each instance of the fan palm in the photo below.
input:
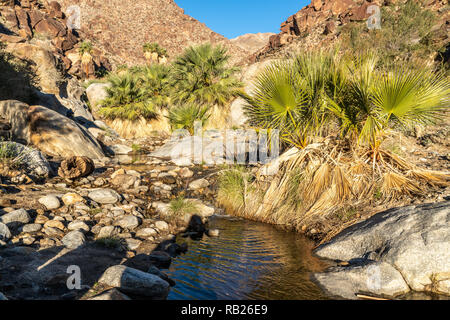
(201, 76)
(155, 83)
(127, 100)
(185, 116)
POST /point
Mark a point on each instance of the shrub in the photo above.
(233, 187)
(404, 37)
(127, 100)
(201, 76)
(181, 206)
(10, 157)
(184, 117)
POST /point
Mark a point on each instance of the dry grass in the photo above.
(318, 185)
(140, 128)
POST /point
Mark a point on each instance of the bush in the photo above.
(303, 96)
(404, 38)
(201, 76)
(184, 117)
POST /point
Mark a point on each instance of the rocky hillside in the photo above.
(252, 42)
(122, 27)
(324, 22)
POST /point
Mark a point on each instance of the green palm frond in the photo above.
(201, 76)
(411, 97)
(185, 116)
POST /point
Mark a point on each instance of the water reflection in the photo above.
(249, 260)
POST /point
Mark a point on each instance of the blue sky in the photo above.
(232, 18)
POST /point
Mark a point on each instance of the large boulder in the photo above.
(415, 240)
(237, 116)
(133, 281)
(49, 131)
(96, 92)
(44, 61)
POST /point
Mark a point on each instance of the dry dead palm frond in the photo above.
(342, 184)
(395, 185)
(319, 182)
(434, 178)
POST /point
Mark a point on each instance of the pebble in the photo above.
(198, 184)
(104, 196)
(50, 202)
(74, 239)
(71, 198)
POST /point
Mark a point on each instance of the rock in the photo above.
(31, 228)
(71, 198)
(186, 173)
(96, 92)
(185, 151)
(120, 149)
(54, 224)
(50, 202)
(128, 222)
(104, 196)
(213, 232)
(133, 244)
(154, 270)
(15, 217)
(51, 27)
(5, 234)
(112, 294)
(198, 184)
(124, 181)
(162, 225)
(78, 225)
(3, 297)
(33, 160)
(44, 62)
(73, 239)
(196, 225)
(378, 278)
(160, 259)
(167, 178)
(57, 135)
(51, 132)
(146, 232)
(414, 239)
(133, 281)
(108, 232)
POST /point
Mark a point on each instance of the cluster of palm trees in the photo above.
(195, 81)
(317, 92)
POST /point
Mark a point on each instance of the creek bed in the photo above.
(249, 260)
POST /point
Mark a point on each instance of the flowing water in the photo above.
(249, 260)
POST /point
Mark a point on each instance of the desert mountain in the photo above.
(120, 28)
(323, 22)
(252, 41)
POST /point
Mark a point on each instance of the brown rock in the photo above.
(330, 27)
(317, 4)
(360, 13)
(36, 16)
(340, 6)
(51, 27)
(22, 17)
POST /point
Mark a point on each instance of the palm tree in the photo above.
(202, 76)
(185, 116)
(127, 100)
(155, 82)
(291, 95)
